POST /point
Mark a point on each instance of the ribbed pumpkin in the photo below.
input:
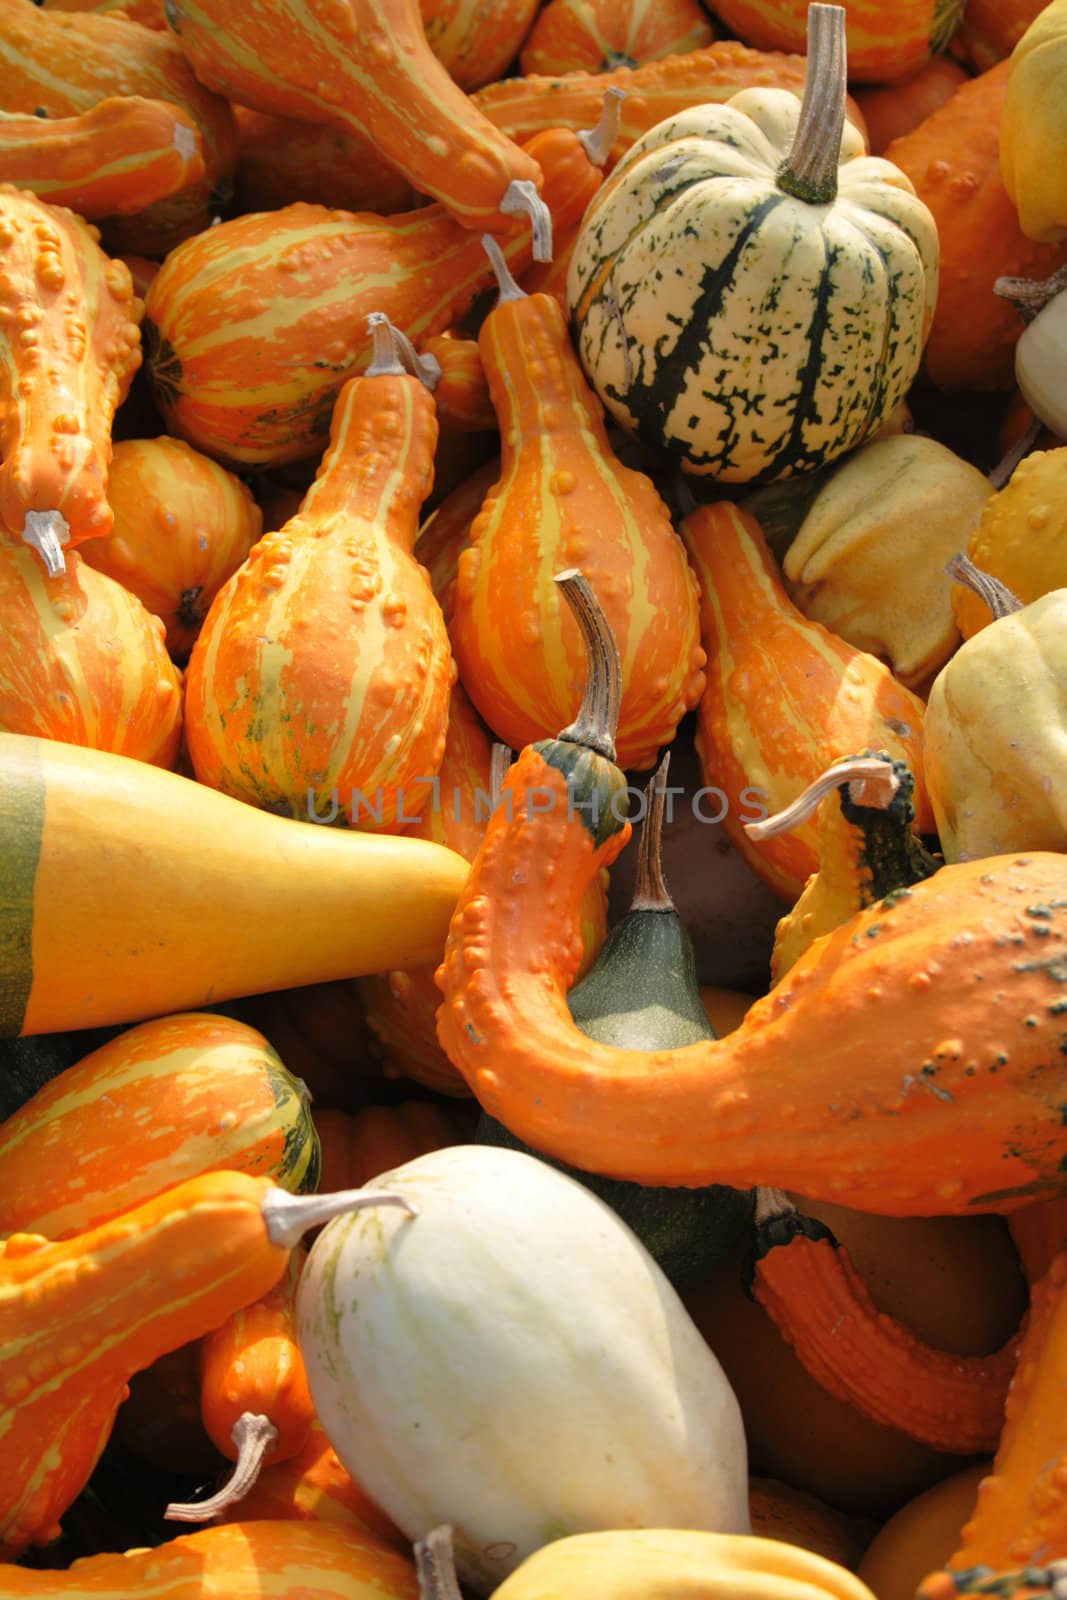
(749, 290)
(183, 525)
(884, 42)
(319, 683)
(476, 40)
(591, 35)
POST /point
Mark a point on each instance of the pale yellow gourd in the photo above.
(1033, 126)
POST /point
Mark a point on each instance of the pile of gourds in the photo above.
(417, 421)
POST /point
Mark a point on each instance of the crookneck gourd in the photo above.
(346, 716)
(917, 989)
(749, 290)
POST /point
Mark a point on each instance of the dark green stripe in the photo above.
(22, 791)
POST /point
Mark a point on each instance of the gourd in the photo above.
(475, 42)
(446, 532)
(81, 660)
(1021, 538)
(781, 1512)
(245, 392)
(784, 696)
(367, 69)
(461, 393)
(281, 160)
(120, 155)
(152, 13)
(321, 1034)
(921, 1535)
(782, 1099)
(241, 1562)
(70, 345)
(590, 36)
(1033, 127)
(356, 1147)
(857, 562)
(212, 1091)
(990, 31)
(564, 496)
(550, 277)
(516, 1311)
(183, 525)
(1039, 352)
(893, 109)
(66, 63)
(291, 903)
(79, 1317)
(749, 290)
(348, 717)
(882, 45)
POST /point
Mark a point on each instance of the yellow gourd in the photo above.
(1033, 126)
(1021, 538)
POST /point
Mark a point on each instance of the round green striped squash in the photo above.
(753, 316)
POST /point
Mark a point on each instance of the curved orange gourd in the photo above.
(884, 42)
(597, 35)
(363, 66)
(69, 346)
(281, 161)
(784, 696)
(564, 498)
(67, 62)
(461, 393)
(476, 40)
(183, 525)
(119, 156)
(319, 683)
(252, 328)
(81, 660)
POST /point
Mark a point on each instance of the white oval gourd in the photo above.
(511, 1361)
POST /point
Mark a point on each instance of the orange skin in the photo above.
(893, 109)
(282, 160)
(359, 1147)
(785, 698)
(119, 156)
(288, 715)
(991, 29)
(445, 535)
(461, 394)
(149, 12)
(578, 36)
(68, 62)
(564, 499)
(363, 66)
(939, 1088)
(78, 1318)
(253, 327)
(884, 42)
(475, 41)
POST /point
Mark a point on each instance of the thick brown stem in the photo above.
(597, 142)
(650, 890)
(597, 721)
(809, 172)
(253, 1436)
(871, 781)
(435, 1566)
(1029, 296)
(997, 596)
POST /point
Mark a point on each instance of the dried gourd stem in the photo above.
(997, 596)
(597, 721)
(809, 171)
(435, 1566)
(47, 532)
(506, 285)
(597, 142)
(871, 780)
(499, 762)
(771, 1204)
(426, 368)
(521, 199)
(385, 357)
(289, 1216)
(650, 890)
(1030, 296)
(1002, 472)
(253, 1435)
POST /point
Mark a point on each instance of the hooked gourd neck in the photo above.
(809, 171)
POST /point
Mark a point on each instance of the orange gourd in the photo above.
(357, 1148)
(784, 696)
(66, 62)
(281, 160)
(953, 161)
(564, 497)
(1039, 1234)
(920, 1536)
(597, 35)
(152, 13)
(793, 1517)
(69, 346)
(550, 277)
(446, 533)
(183, 525)
(884, 42)
(460, 392)
(476, 41)
(991, 29)
(346, 717)
(891, 110)
(119, 156)
(364, 67)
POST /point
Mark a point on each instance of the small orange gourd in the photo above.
(152, 13)
(597, 35)
(883, 42)
(991, 29)
(460, 393)
(476, 40)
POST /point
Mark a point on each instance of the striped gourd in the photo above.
(152, 13)
(749, 290)
(592, 35)
(319, 682)
(160, 1103)
(476, 40)
(884, 41)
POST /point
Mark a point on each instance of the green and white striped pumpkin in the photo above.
(754, 321)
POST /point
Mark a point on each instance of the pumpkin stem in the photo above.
(871, 781)
(47, 532)
(1002, 472)
(394, 354)
(809, 171)
(289, 1216)
(435, 1566)
(597, 142)
(253, 1435)
(499, 762)
(650, 890)
(507, 288)
(598, 715)
(997, 596)
(521, 199)
(1029, 296)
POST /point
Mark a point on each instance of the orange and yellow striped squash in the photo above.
(785, 697)
(884, 42)
(319, 683)
(152, 13)
(281, 160)
(564, 499)
(597, 35)
(78, 1317)
(81, 660)
(364, 67)
(161, 1103)
(252, 328)
(119, 156)
(461, 393)
(446, 533)
(66, 62)
(69, 346)
(476, 40)
(183, 525)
